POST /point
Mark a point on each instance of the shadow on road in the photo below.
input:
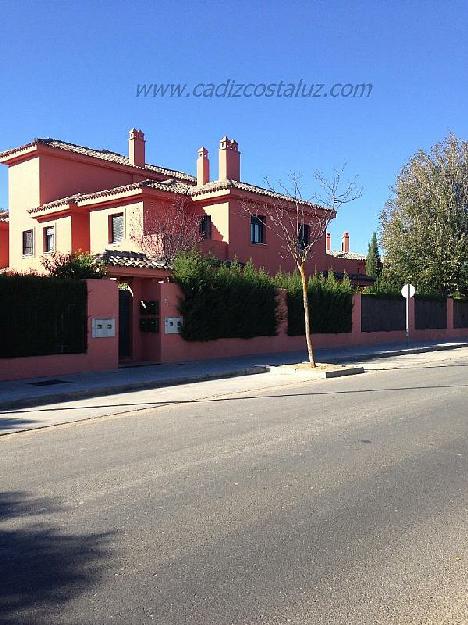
(261, 395)
(41, 567)
(416, 366)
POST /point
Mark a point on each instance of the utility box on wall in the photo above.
(103, 328)
(172, 325)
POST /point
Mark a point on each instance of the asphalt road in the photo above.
(330, 502)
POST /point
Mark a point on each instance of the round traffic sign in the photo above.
(408, 290)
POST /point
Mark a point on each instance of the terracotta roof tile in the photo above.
(4, 215)
(102, 154)
(137, 260)
(347, 255)
(171, 186)
(219, 185)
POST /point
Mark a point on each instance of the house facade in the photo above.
(65, 197)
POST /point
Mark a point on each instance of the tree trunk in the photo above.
(305, 299)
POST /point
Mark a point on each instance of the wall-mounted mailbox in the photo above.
(149, 316)
(103, 328)
(172, 325)
(149, 307)
(149, 324)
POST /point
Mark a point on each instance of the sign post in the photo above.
(408, 291)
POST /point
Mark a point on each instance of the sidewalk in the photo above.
(41, 391)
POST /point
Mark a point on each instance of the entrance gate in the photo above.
(125, 312)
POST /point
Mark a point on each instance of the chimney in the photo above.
(328, 245)
(345, 243)
(136, 147)
(229, 159)
(203, 167)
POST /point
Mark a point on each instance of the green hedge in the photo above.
(224, 300)
(330, 303)
(42, 315)
(384, 289)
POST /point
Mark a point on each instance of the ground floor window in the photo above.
(28, 242)
(49, 239)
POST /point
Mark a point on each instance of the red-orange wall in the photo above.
(4, 244)
(62, 176)
(270, 255)
(349, 265)
(174, 348)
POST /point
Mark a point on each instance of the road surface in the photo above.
(328, 502)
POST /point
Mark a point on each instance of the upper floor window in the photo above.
(303, 235)
(257, 229)
(116, 228)
(205, 227)
(49, 239)
(28, 242)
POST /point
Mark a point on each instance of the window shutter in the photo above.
(49, 239)
(205, 227)
(28, 247)
(117, 228)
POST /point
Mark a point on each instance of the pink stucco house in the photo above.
(65, 197)
(4, 242)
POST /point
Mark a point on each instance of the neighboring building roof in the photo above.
(347, 255)
(4, 215)
(355, 278)
(106, 155)
(169, 186)
(138, 260)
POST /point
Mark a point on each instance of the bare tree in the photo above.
(167, 228)
(300, 224)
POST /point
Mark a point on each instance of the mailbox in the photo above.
(172, 325)
(103, 328)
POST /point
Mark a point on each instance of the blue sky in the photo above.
(70, 70)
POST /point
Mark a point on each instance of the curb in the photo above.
(56, 398)
(343, 372)
(391, 353)
(313, 374)
(31, 402)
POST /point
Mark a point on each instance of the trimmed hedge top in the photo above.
(330, 303)
(230, 300)
(224, 300)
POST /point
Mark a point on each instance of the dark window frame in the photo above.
(46, 237)
(205, 227)
(303, 235)
(26, 247)
(258, 229)
(112, 230)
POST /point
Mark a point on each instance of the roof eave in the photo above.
(10, 157)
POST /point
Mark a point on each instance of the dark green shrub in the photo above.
(330, 303)
(384, 288)
(74, 266)
(42, 315)
(224, 300)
